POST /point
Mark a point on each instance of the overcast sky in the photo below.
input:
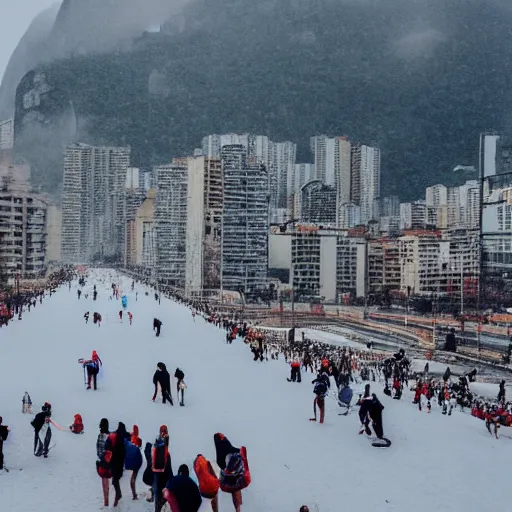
(15, 17)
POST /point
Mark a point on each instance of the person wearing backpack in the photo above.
(209, 483)
(180, 386)
(133, 459)
(103, 463)
(4, 432)
(322, 385)
(235, 475)
(161, 466)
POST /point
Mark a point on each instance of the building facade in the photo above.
(171, 224)
(244, 238)
(204, 225)
(94, 203)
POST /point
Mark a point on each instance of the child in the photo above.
(26, 402)
(78, 426)
(130, 317)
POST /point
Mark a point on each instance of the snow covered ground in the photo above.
(293, 462)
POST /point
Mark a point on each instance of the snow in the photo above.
(293, 462)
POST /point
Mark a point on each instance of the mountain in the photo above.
(29, 53)
(420, 78)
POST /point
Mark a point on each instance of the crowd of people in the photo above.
(333, 368)
(17, 301)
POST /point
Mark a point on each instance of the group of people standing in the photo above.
(162, 379)
(119, 451)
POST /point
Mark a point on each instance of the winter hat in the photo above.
(47, 407)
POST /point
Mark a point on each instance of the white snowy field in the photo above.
(435, 463)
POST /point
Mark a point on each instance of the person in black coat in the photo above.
(116, 441)
(184, 491)
(371, 409)
(163, 378)
(157, 325)
(4, 432)
(40, 421)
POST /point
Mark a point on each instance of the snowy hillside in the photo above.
(435, 463)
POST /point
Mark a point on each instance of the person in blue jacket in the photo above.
(182, 491)
(132, 462)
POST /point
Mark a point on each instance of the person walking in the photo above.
(162, 378)
(103, 467)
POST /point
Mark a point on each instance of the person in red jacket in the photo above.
(78, 426)
(295, 372)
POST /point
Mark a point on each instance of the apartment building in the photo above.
(6, 135)
(204, 226)
(244, 238)
(171, 223)
(23, 228)
(305, 258)
(384, 266)
(318, 203)
(94, 203)
(351, 260)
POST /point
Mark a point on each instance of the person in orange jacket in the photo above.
(209, 483)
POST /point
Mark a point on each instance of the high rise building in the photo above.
(303, 174)
(355, 173)
(93, 203)
(436, 195)
(23, 226)
(75, 247)
(204, 223)
(244, 240)
(171, 224)
(6, 134)
(413, 215)
(318, 203)
(284, 164)
(349, 215)
(342, 168)
(369, 182)
(496, 214)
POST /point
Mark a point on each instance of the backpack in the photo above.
(236, 476)
(160, 455)
(320, 388)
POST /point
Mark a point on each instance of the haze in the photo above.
(15, 17)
